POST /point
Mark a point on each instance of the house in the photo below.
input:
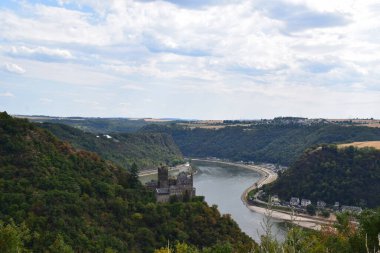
(352, 209)
(294, 201)
(321, 204)
(336, 205)
(274, 199)
(305, 202)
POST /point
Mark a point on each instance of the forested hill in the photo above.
(147, 150)
(58, 199)
(96, 125)
(261, 143)
(348, 175)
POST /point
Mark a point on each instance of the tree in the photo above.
(185, 248)
(59, 246)
(219, 248)
(12, 237)
(134, 175)
(370, 227)
(325, 213)
(310, 209)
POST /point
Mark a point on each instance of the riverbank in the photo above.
(268, 176)
(302, 220)
(180, 167)
(305, 221)
(222, 185)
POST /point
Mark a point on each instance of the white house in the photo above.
(305, 202)
(294, 201)
(321, 204)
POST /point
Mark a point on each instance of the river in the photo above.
(223, 186)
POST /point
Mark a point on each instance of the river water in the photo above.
(223, 186)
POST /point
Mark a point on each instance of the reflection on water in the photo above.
(223, 185)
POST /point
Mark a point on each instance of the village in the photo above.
(300, 205)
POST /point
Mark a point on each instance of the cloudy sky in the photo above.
(205, 59)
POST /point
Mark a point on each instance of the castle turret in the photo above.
(163, 177)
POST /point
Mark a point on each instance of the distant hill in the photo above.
(147, 150)
(64, 200)
(277, 142)
(98, 125)
(349, 175)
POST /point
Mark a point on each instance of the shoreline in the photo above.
(305, 221)
(154, 171)
(268, 176)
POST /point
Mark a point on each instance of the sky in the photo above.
(194, 59)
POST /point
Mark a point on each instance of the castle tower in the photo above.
(163, 177)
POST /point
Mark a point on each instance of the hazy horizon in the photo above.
(183, 119)
(226, 59)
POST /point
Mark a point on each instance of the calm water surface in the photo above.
(223, 185)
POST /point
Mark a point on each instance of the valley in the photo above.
(225, 186)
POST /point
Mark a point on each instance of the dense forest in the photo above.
(274, 143)
(147, 150)
(348, 175)
(54, 198)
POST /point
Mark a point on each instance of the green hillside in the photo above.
(275, 143)
(58, 199)
(95, 125)
(147, 150)
(348, 175)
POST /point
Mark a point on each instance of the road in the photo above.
(306, 221)
(180, 167)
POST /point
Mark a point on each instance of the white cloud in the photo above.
(6, 94)
(41, 52)
(13, 68)
(270, 48)
(133, 87)
(46, 100)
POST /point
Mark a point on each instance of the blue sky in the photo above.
(190, 59)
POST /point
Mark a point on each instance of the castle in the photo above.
(166, 187)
